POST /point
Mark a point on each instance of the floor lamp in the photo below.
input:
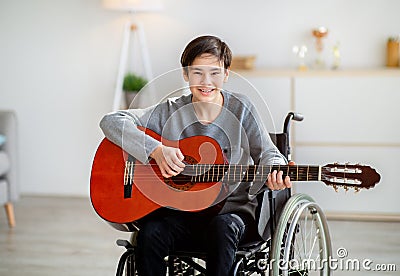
(132, 27)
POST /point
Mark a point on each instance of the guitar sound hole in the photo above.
(181, 181)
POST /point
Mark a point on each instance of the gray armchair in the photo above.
(8, 163)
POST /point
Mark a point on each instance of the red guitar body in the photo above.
(150, 190)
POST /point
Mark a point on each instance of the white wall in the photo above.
(58, 62)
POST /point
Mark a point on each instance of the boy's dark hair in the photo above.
(206, 45)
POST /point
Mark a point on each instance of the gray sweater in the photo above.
(237, 129)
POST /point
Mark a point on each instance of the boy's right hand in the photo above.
(169, 160)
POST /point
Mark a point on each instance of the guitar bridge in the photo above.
(128, 191)
(128, 178)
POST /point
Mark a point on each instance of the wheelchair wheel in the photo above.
(301, 244)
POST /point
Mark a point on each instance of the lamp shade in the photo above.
(133, 5)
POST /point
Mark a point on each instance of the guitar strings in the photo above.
(250, 172)
(206, 174)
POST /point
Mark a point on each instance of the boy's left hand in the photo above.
(275, 181)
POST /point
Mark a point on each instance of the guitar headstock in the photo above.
(349, 176)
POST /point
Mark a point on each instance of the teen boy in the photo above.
(230, 119)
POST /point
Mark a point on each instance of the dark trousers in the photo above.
(169, 230)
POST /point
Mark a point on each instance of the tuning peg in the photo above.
(335, 188)
(356, 190)
(346, 188)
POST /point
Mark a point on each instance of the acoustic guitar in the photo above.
(123, 190)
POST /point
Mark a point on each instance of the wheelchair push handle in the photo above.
(286, 128)
(291, 116)
(296, 116)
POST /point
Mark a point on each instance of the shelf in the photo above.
(290, 73)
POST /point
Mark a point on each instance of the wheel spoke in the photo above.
(305, 232)
(312, 247)
(303, 238)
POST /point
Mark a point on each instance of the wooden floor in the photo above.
(63, 236)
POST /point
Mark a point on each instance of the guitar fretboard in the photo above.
(249, 173)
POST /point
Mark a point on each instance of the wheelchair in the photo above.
(297, 242)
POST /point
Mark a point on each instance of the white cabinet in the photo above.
(351, 119)
(348, 110)
(350, 116)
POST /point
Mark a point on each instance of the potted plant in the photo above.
(132, 85)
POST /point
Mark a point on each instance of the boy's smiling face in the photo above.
(206, 77)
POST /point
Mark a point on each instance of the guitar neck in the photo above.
(250, 173)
